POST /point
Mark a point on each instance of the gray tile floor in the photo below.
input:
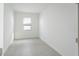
(30, 47)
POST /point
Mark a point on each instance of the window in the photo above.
(27, 27)
(27, 23)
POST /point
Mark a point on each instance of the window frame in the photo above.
(30, 24)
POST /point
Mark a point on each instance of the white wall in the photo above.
(1, 24)
(8, 26)
(57, 28)
(20, 33)
(78, 29)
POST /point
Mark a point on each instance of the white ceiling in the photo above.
(29, 7)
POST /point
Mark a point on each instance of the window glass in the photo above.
(27, 27)
(27, 21)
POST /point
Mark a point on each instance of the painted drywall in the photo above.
(78, 29)
(20, 33)
(1, 24)
(57, 28)
(8, 26)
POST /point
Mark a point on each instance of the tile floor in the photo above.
(30, 47)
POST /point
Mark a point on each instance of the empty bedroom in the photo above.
(40, 29)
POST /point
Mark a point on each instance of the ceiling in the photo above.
(29, 7)
(32, 7)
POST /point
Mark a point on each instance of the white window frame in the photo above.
(27, 24)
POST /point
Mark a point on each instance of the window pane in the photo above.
(27, 21)
(27, 27)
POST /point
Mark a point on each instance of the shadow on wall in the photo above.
(0, 51)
